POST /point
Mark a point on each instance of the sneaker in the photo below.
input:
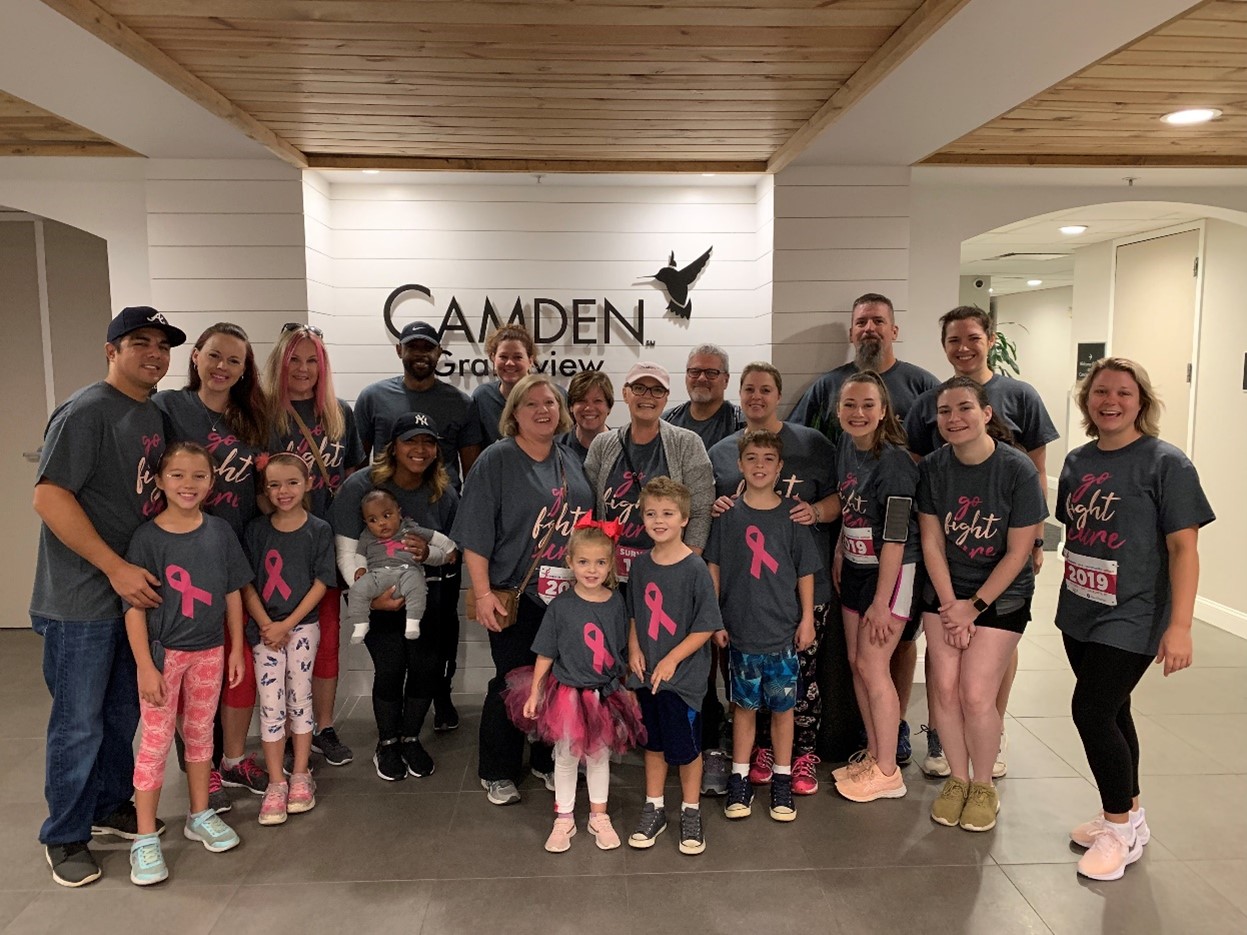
(218, 798)
(302, 796)
(561, 834)
(208, 829)
(872, 784)
(649, 826)
(603, 831)
(761, 766)
(501, 791)
(445, 714)
(72, 864)
(948, 806)
(805, 774)
(692, 839)
(859, 762)
(1001, 766)
(246, 775)
(546, 778)
(147, 861)
(904, 749)
(782, 806)
(1110, 852)
(419, 763)
(714, 769)
(982, 805)
(123, 822)
(935, 765)
(389, 761)
(276, 803)
(739, 802)
(1084, 834)
(326, 743)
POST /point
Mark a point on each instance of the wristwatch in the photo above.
(978, 604)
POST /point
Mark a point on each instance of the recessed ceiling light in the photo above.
(370, 171)
(991, 291)
(1034, 282)
(1071, 229)
(1182, 118)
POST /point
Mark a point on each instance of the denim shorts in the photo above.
(764, 680)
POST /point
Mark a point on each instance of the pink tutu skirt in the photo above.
(579, 716)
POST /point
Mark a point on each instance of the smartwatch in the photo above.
(978, 604)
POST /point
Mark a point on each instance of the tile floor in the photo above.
(432, 856)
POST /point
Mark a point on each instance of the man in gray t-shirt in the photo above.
(94, 487)
(707, 412)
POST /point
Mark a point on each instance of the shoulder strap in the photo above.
(545, 540)
(315, 448)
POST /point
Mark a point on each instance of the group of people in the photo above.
(195, 539)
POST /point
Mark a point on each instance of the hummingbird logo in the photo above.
(676, 283)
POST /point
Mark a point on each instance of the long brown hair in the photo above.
(996, 427)
(889, 429)
(246, 412)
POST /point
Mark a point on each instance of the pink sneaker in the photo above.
(804, 776)
(560, 838)
(603, 831)
(870, 784)
(859, 762)
(1110, 853)
(302, 794)
(761, 764)
(1084, 834)
(273, 808)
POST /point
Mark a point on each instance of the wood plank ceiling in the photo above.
(1109, 113)
(27, 130)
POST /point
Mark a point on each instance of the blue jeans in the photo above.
(90, 673)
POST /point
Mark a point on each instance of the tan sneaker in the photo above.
(603, 831)
(861, 761)
(1084, 834)
(872, 784)
(946, 810)
(1110, 853)
(560, 838)
(982, 805)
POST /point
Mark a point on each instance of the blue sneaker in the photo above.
(147, 861)
(739, 802)
(904, 749)
(211, 831)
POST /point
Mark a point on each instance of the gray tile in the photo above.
(1219, 737)
(361, 907)
(1198, 817)
(529, 907)
(188, 909)
(1028, 757)
(1217, 649)
(1033, 654)
(1041, 693)
(1226, 877)
(22, 771)
(1202, 691)
(1151, 897)
(779, 902)
(12, 904)
(24, 713)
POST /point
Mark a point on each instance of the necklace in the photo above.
(213, 417)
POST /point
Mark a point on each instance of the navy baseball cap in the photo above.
(419, 331)
(134, 317)
(410, 424)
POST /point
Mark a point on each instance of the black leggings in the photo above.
(1101, 708)
(502, 743)
(406, 673)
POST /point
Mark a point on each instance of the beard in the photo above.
(869, 354)
(701, 394)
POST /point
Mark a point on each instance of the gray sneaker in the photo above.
(501, 791)
(649, 826)
(692, 840)
(547, 778)
(714, 769)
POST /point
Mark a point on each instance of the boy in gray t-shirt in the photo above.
(390, 565)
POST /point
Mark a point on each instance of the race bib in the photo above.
(1092, 578)
(624, 554)
(553, 580)
(859, 545)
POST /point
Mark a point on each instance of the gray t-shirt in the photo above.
(571, 443)
(1015, 401)
(340, 457)
(636, 466)
(233, 496)
(726, 420)
(286, 565)
(509, 501)
(1117, 508)
(489, 403)
(348, 522)
(197, 569)
(380, 404)
(817, 407)
(809, 474)
(761, 554)
(865, 482)
(390, 553)
(668, 602)
(588, 642)
(103, 447)
(977, 505)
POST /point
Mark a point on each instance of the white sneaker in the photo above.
(1110, 853)
(935, 764)
(1001, 766)
(1084, 834)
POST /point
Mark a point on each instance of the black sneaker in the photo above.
(123, 822)
(739, 802)
(287, 760)
(326, 743)
(652, 823)
(692, 840)
(389, 761)
(419, 763)
(782, 805)
(445, 715)
(72, 864)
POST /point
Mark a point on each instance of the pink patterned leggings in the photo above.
(284, 681)
(192, 690)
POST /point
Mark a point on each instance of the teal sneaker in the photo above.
(211, 831)
(147, 861)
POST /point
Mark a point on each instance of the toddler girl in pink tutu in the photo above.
(574, 697)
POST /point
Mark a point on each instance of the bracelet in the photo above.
(818, 514)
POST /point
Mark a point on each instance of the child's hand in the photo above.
(530, 706)
(805, 634)
(721, 506)
(152, 686)
(720, 639)
(235, 667)
(636, 662)
(359, 573)
(663, 672)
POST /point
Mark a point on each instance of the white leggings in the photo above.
(597, 777)
(283, 680)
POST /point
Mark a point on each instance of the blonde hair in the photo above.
(508, 427)
(325, 402)
(593, 535)
(1148, 419)
(664, 488)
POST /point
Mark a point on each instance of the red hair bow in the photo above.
(608, 526)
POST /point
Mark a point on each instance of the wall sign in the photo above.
(676, 283)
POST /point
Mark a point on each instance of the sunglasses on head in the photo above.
(300, 326)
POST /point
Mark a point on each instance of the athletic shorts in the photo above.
(857, 593)
(672, 728)
(764, 680)
(1013, 618)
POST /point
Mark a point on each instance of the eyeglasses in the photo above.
(709, 373)
(640, 389)
(300, 326)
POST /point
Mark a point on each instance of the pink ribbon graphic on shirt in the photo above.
(657, 616)
(596, 641)
(757, 545)
(392, 546)
(180, 580)
(273, 565)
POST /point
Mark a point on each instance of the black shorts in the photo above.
(857, 593)
(1014, 619)
(672, 728)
